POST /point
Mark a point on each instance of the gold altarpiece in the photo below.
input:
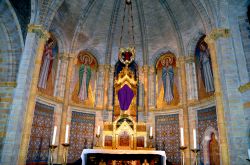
(125, 132)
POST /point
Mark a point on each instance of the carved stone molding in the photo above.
(216, 34)
(244, 88)
(39, 30)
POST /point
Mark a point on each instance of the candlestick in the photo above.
(182, 137)
(67, 134)
(65, 153)
(150, 141)
(182, 148)
(51, 150)
(54, 135)
(194, 136)
(98, 130)
(97, 140)
(151, 131)
(195, 151)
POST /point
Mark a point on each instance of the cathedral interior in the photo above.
(115, 82)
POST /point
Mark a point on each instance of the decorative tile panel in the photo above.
(168, 136)
(41, 134)
(81, 134)
(206, 118)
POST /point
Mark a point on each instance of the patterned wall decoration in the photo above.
(41, 134)
(206, 118)
(81, 134)
(168, 136)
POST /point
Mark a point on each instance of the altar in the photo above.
(114, 157)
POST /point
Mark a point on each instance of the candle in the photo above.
(67, 134)
(54, 135)
(248, 153)
(151, 131)
(98, 130)
(182, 137)
(194, 136)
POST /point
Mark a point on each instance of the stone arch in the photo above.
(191, 46)
(34, 12)
(63, 45)
(205, 142)
(94, 52)
(42, 13)
(158, 53)
(12, 42)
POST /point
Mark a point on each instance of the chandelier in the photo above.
(127, 54)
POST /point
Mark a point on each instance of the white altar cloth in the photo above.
(109, 151)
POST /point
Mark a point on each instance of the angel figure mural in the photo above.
(83, 81)
(84, 77)
(48, 67)
(167, 81)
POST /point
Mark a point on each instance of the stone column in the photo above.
(152, 87)
(61, 75)
(99, 88)
(65, 109)
(185, 110)
(210, 40)
(24, 102)
(145, 70)
(106, 87)
(110, 88)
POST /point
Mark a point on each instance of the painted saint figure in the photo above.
(46, 65)
(205, 66)
(168, 79)
(84, 78)
(214, 156)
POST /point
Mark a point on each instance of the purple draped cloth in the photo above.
(125, 96)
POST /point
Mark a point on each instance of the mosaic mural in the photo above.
(81, 134)
(206, 118)
(168, 136)
(47, 75)
(167, 78)
(83, 84)
(204, 70)
(41, 133)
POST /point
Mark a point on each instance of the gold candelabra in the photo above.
(97, 140)
(65, 152)
(151, 141)
(182, 148)
(195, 151)
(51, 150)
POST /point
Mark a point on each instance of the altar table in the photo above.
(118, 153)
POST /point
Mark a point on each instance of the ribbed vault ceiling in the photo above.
(160, 26)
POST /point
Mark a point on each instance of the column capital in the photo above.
(39, 30)
(216, 34)
(145, 68)
(106, 66)
(152, 69)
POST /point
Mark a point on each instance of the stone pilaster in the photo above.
(106, 87)
(65, 109)
(151, 95)
(21, 115)
(185, 110)
(210, 40)
(145, 70)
